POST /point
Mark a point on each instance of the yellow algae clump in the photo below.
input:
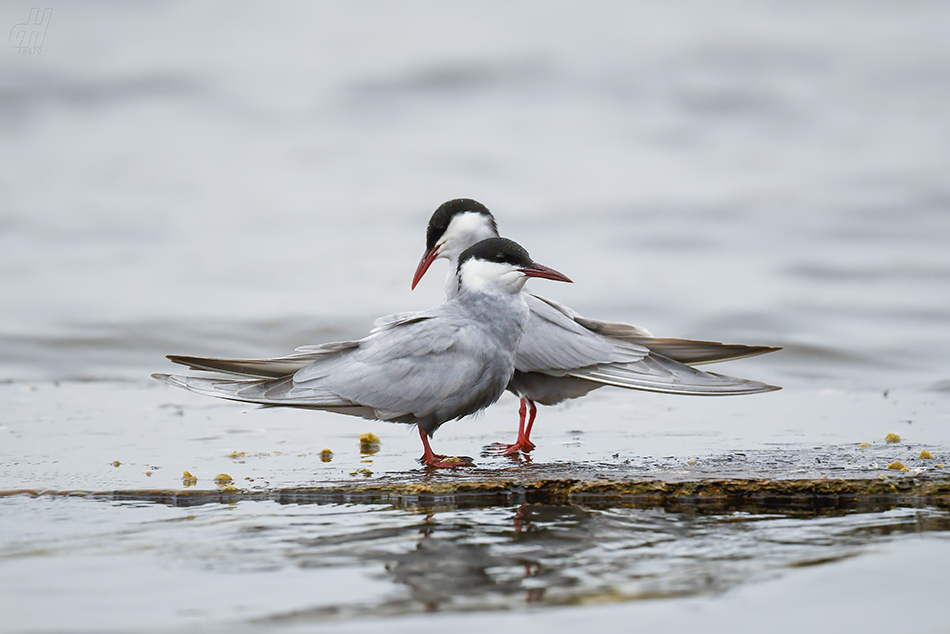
(897, 464)
(892, 439)
(864, 445)
(925, 455)
(188, 480)
(237, 454)
(691, 462)
(117, 464)
(363, 472)
(369, 443)
(326, 455)
(223, 479)
(940, 466)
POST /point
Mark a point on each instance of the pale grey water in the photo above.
(239, 179)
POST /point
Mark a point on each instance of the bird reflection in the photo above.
(456, 559)
(453, 563)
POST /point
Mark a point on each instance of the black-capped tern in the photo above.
(422, 368)
(564, 355)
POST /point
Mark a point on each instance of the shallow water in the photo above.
(237, 180)
(281, 565)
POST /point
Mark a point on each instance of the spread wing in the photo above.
(264, 368)
(426, 369)
(659, 374)
(554, 342)
(282, 366)
(559, 344)
(686, 351)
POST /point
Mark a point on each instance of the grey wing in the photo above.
(425, 370)
(608, 329)
(261, 391)
(659, 374)
(554, 342)
(264, 368)
(688, 351)
(396, 318)
(691, 352)
(422, 370)
(559, 342)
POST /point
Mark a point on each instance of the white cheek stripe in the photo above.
(465, 230)
(468, 223)
(491, 277)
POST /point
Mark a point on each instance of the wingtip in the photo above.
(168, 379)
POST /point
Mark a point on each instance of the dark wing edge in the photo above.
(263, 368)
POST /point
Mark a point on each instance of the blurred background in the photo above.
(237, 178)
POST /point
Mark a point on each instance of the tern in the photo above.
(563, 355)
(423, 368)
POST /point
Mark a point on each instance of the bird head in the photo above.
(454, 227)
(500, 265)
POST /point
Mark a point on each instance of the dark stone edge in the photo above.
(723, 495)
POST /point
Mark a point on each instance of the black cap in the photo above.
(440, 220)
(501, 250)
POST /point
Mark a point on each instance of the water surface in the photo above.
(238, 179)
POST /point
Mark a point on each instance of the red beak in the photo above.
(539, 270)
(424, 265)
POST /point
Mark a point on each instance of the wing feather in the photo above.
(554, 342)
(617, 338)
(261, 368)
(659, 374)
(423, 368)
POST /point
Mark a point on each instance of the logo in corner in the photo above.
(27, 37)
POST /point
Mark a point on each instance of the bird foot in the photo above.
(503, 449)
(438, 461)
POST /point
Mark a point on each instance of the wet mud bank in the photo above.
(703, 496)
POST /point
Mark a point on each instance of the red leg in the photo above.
(523, 444)
(527, 444)
(438, 461)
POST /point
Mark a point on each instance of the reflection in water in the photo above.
(269, 562)
(458, 560)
